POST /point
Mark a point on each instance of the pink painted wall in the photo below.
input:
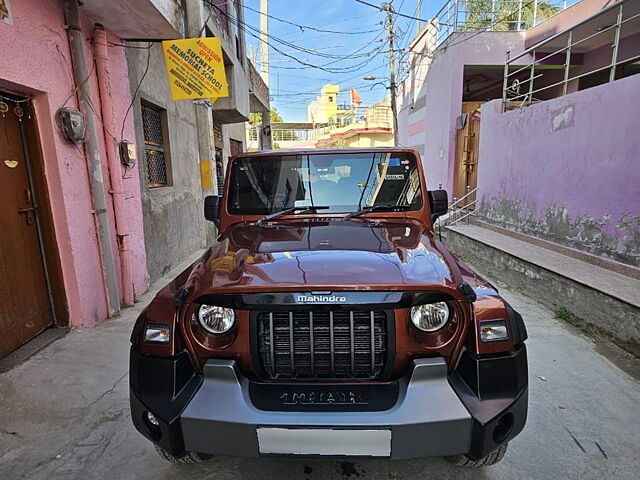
(567, 169)
(35, 59)
(443, 89)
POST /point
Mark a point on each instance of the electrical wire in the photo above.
(308, 27)
(431, 55)
(354, 67)
(73, 92)
(392, 11)
(135, 92)
(114, 44)
(248, 29)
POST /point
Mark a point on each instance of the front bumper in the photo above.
(435, 414)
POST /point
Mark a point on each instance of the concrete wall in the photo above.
(35, 60)
(428, 124)
(613, 318)
(174, 226)
(567, 169)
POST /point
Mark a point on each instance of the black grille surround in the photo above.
(321, 344)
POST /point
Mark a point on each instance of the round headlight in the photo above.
(430, 317)
(216, 319)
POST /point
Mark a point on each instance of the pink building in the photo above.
(55, 266)
(544, 146)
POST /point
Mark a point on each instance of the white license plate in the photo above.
(321, 441)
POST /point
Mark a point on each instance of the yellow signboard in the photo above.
(195, 68)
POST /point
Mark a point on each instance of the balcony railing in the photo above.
(525, 84)
(489, 15)
(285, 135)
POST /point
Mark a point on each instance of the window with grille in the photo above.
(154, 146)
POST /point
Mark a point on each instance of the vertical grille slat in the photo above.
(333, 365)
(322, 344)
(353, 347)
(271, 348)
(311, 352)
(373, 345)
(291, 346)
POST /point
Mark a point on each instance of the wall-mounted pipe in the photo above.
(101, 54)
(76, 45)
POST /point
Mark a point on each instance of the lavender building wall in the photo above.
(428, 123)
(567, 170)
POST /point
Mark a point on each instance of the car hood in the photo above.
(324, 255)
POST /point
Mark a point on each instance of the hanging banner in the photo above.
(195, 68)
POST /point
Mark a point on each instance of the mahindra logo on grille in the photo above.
(320, 299)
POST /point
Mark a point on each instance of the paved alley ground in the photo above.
(65, 414)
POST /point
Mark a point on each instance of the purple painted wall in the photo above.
(443, 91)
(35, 60)
(567, 169)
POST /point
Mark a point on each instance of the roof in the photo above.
(324, 151)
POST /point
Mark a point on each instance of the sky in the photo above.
(293, 85)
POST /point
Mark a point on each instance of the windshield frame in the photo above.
(422, 214)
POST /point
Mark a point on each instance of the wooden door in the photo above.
(24, 296)
(235, 146)
(467, 146)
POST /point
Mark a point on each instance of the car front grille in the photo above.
(307, 345)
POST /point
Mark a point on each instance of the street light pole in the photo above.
(392, 71)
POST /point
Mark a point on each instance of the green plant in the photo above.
(502, 15)
(256, 118)
(566, 315)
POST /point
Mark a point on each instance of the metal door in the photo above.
(467, 145)
(24, 295)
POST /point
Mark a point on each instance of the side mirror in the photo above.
(212, 208)
(439, 203)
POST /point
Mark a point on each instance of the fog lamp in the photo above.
(430, 317)
(216, 319)
(157, 333)
(493, 331)
(152, 419)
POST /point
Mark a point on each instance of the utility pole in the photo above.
(392, 70)
(264, 41)
(419, 15)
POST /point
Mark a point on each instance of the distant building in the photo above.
(332, 123)
(373, 128)
(325, 106)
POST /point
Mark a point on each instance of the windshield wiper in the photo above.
(286, 211)
(381, 206)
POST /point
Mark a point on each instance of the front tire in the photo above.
(187, 458)
(491, 459)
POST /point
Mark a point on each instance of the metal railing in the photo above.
(519, 84)
(285, 134)
(460, 209)
(294, 134)
(490, 15)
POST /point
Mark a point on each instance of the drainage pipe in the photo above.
(101, 54)
(83, 86)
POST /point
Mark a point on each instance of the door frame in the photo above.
(50, 255)
(467, 153)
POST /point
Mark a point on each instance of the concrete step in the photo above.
(600, 296)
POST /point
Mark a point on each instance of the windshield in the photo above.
(343, 182)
